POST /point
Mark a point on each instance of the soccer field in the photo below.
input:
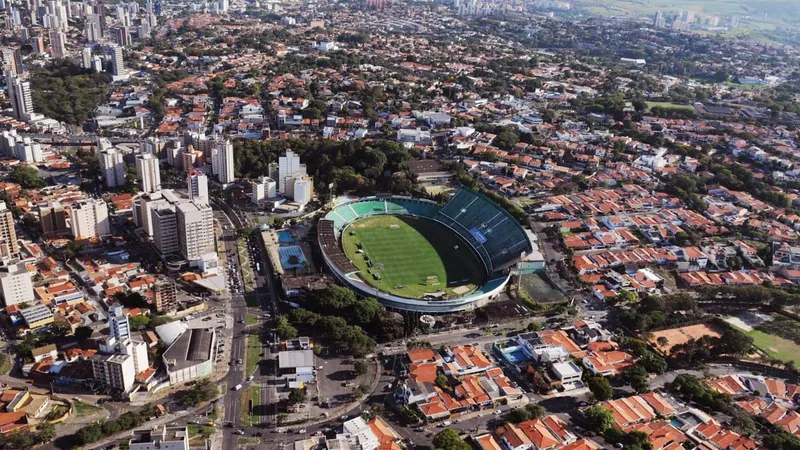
(409, 257)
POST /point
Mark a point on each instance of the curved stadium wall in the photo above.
(492, 233)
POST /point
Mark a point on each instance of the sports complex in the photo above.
(415, 255)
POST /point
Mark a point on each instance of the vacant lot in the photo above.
(677, 336)
(667, 105)
(410, 257)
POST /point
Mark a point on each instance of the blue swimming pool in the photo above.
(676, 423)
(285, 237)
(514, 355)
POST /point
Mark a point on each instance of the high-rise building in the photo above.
(197, 185)
(112, 167)
(25, 35)
(289, 166)
(89, 218)
(165, 228)
(165, 295)
(37, 43)
(195, 230)
(117, 64)
(19, 93)
(116, 371)
(28, 150)
(303, 190)
(9, 247)
(58, 44)
(687, 16)
(124, 36)
(15, 284)
(92, 29)
(52, 217)
(659, 21)
(119, 323)
(12, 60)
(138, 351)
(222, 160)
(222, 6)
(263, 188)
(148, 172)
(86, 58)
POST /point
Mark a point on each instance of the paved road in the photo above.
(267, 299)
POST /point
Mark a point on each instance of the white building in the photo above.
(15, 284)
(289, 167)
(263, 188)
(567, 372)
(195, 230)
(116, 371)
(148, 172)
(142, 215)
(117, 63)
(119, 323)
(19, 93)
(138, 351)
(28, 150)
(222, 160)
(303, 190)
(168, 438)
(86, 58)
(112, 167)
(89, 218)
(197, 185)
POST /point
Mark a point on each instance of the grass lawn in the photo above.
(85, 409)
(253, 355)
(776, 346)
(668, 105)
(251, 319)
(247, 441)
(253, 394)
(6, 363)
(411, 256)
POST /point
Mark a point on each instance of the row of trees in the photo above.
(98, 430)
(341, 318)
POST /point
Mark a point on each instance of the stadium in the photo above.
(415, 255)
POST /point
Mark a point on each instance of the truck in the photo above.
(237, 387)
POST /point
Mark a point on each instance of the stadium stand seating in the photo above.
(496, 235)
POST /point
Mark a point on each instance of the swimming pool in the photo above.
(285, 237)
(514, 355)
(676, 423)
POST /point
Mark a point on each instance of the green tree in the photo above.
(449, 440)
(360, 367)
(518, 415)
(297, 396)
(27, 177)
(506, 139)
(536, 411)
(598, 418)
(61, 328)
(600, 387)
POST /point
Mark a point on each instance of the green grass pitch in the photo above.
(412, 256)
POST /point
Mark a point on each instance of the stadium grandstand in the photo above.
(493, 235)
